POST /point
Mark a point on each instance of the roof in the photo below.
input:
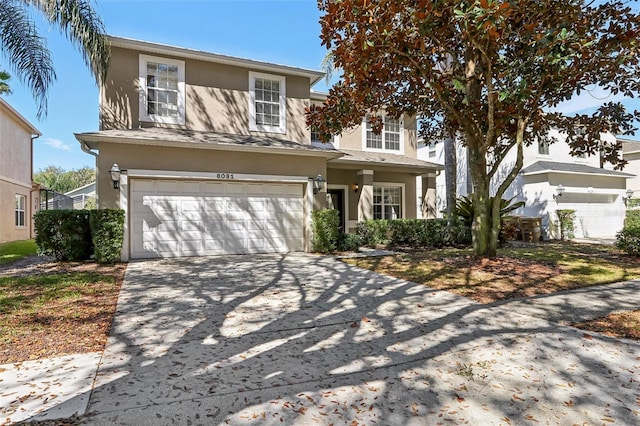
(364, 158)
(85, 189)
(183, 52)
(629, 146)
(179, 138)
(540, 167)
(5, 105)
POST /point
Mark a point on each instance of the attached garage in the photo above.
(174, 218)
(596, 216)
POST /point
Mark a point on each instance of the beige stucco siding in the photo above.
(216, 97)
(353, 139)
(193, 160)
(15, 173)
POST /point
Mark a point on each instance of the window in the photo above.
(390, 139)
(21, 202)
(267, 106)
(387, 202)
(432, 149)
(543, 148)
(162, 89)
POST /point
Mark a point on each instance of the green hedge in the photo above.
(74, 235)
(632, 219)
(629, 240)
(107, 234)
(325, 226)
(413, 233)
(65, 234)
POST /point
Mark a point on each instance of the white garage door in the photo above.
(171, 218)
(597, 216)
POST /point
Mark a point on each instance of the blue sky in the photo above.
(280, 31)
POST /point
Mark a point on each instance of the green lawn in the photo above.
(14, 250)
(516, 272)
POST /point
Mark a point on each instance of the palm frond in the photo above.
(83, 27)
(27, 51)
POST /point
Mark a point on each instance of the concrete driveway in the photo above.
(301, 339)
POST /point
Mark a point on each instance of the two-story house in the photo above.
(210, 154)
(631, 153)
(19, 196)
(551, 179)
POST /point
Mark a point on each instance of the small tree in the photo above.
(487, 71)
(565, 223)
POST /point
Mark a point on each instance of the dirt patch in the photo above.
(55, 308)
(622, 324)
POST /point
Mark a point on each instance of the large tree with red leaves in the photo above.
(488, 72)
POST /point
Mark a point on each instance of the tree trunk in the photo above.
(450, 177)
(484, 243)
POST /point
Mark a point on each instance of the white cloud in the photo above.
(58, 144)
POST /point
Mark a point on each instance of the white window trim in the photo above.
(389, 151)
(24, 211)
(538, 153)
(142, 82)
(403, 212)
(282, 128)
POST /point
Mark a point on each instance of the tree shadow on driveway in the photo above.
(296, 338)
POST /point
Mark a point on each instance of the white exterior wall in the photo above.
(538, 191)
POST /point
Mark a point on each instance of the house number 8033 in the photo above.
(224, 175)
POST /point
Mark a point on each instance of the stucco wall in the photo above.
(15, 174)
(353, 138)
(634, 168)
(185, 159)
(216, 98)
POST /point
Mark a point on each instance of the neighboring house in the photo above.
(19, 197)
(631, 153)
(596, 194)
(215, 156)
(83, 197)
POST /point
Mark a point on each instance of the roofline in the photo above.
(96, 138)
(621, 175)
(318, 96)
(344, 161)
(20, 118)
(183, 52)
(80, 187)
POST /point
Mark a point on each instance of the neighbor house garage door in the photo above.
(597, 216)
(172, 218)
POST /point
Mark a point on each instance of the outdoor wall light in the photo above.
(559, 192)
(318, 184)
(355, 187)
(629, 194)
(115, 175)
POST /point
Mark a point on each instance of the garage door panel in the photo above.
(173, 218)
(594, 220)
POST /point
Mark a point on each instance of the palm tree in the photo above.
(28, 53)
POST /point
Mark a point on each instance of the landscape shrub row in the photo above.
(415, 233)
(75, 235)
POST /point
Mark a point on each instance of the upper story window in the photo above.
(267, 107)
(21, 203)
(543, 148)
(162, 90)
(432, 149)
(390, 139)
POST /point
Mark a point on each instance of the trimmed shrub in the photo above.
(632, 219)
(565, 222)
(628, 240)
(414, 233)
(107, 234)
(64, 234)
(325, 226)
(373, 232)
(349, 242)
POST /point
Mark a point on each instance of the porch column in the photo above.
(429, 200)
(365, 195)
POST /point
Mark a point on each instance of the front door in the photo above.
(336, 199)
